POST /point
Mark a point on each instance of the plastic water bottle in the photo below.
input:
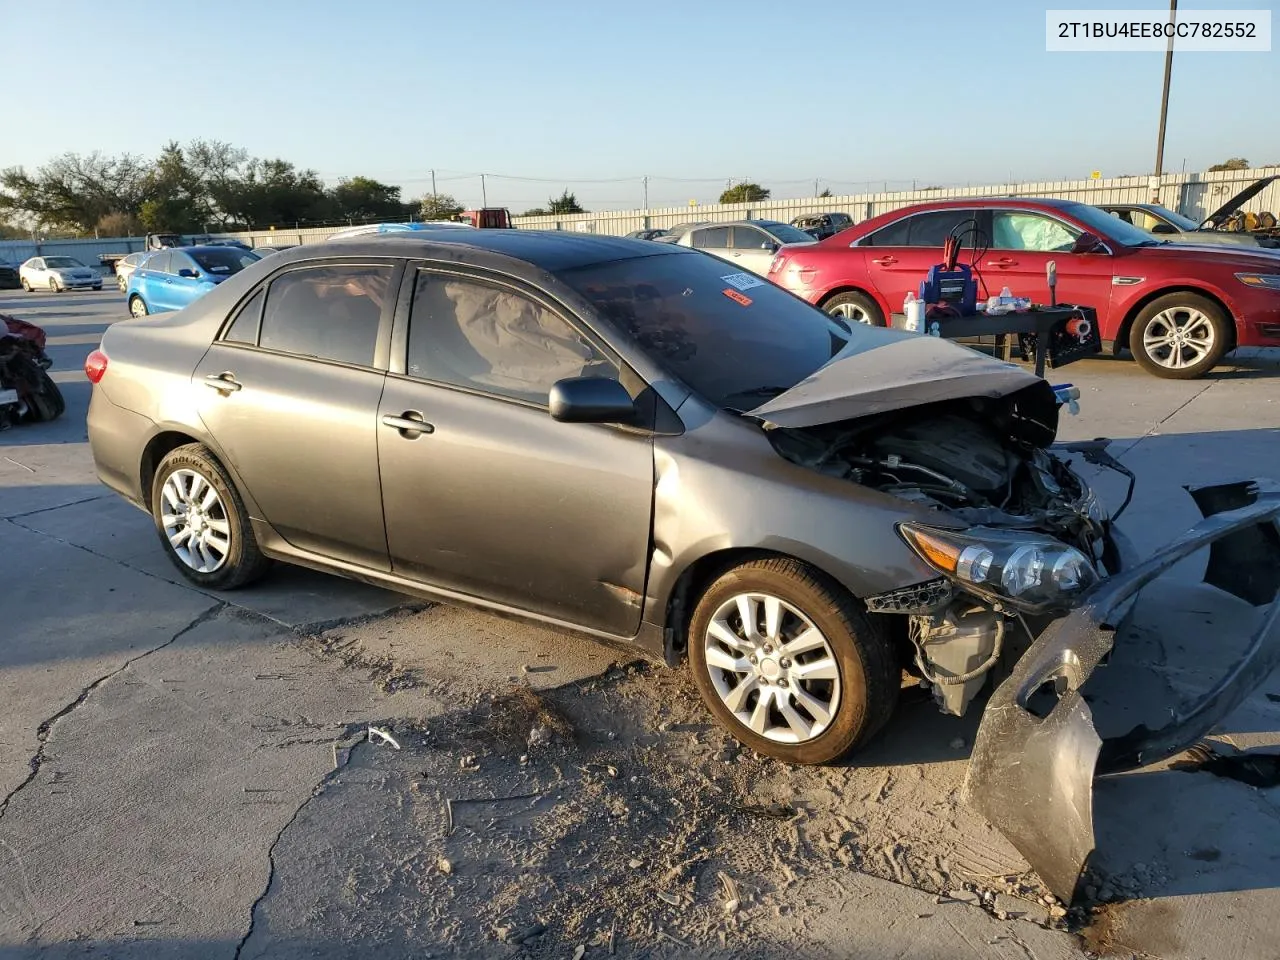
(913, 307)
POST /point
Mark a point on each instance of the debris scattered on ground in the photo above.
(382, 735)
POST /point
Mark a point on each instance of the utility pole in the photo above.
(484, 196)
(1164, 106)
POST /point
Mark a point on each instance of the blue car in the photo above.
(171, 279)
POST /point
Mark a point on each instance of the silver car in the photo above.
(1165, 224)
(125, 268)
(750, 244)
(644, 444)
(57, 274)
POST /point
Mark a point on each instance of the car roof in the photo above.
(550, 250)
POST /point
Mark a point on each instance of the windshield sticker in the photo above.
(737, 297)
(742, 281)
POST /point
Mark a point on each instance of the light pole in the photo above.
(1164, 105)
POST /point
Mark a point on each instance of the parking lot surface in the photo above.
(190, 774)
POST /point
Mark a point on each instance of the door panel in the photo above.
(503, 503)
(302, 436)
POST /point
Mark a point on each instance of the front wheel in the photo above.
(854, 307)
(202, 522)
(1180, 336)
(786, 661)
(137, 306)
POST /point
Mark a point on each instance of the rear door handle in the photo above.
(885, 261)
(223, 382)
(410, 424)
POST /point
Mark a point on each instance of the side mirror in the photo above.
(188, 273)
(1163, 228)
(591, 400)
(1088, 243)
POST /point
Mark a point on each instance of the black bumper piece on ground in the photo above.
(1032, 775)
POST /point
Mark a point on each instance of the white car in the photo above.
(57, 274)
(750, 244)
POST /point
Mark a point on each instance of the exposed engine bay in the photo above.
(979, 462)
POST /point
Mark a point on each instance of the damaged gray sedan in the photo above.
(637, 442)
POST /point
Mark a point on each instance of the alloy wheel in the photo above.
(851, 312)
(772, 668)
(195, 521)
(1179, 337)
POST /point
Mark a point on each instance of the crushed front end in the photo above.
(1032, 769)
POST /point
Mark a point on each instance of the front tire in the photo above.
(137, 306)
(202, 522)
(853, 307)
(786, 660)
(1180, 336)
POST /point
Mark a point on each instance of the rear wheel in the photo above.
(1180, 336)
(202, 522)
(786, 661)
(854, 307)
(137, 306)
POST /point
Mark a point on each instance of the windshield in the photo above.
(224, 260)
(735, 338)
(63, 262)
(1105, 225)
(786, 234)
(1177, 219)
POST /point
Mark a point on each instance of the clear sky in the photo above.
(848, 92)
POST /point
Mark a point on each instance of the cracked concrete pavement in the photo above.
(167, 756)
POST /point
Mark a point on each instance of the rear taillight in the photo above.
(95, 366)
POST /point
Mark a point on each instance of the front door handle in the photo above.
(410, 424)
(223, 382)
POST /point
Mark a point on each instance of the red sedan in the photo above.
(1179, 308)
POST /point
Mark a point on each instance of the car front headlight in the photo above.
(1269, 281)
(1029, 570)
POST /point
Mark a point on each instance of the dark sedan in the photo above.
(635, 441)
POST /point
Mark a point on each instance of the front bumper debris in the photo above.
(1032, 776)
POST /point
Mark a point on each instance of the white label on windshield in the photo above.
(743, 281)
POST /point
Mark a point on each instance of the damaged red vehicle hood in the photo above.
(884, 370)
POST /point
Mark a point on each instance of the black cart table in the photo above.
(1053, 346)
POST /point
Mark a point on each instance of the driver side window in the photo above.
(1012, 230)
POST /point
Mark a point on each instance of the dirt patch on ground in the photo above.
(612, 814)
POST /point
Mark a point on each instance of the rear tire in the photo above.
(853, 307)
(46, 402)
(1180, 336)
(201, 499)
(827, 656)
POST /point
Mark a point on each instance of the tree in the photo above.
(1235, 163)
(438, 206)
(826, 192)
(74, 191)
(360, 198)
(744, 193)
(565, 203)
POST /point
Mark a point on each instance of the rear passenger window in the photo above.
(244, 328)
(490, 338)
(331, 312)
(716, 238)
